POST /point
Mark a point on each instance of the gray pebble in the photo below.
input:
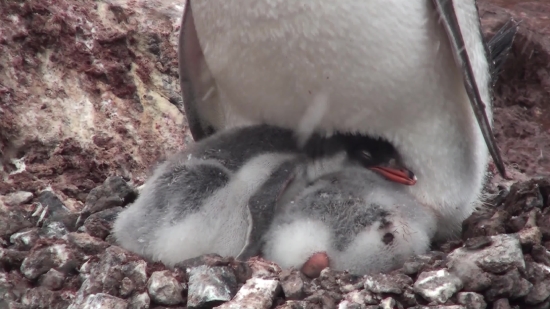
(471, 300)
(292, 282)
(164, 288)
(256, 293)
(387, 283)
(210, 285)
(25, 239)
(18, 198)
(103, 301)
(139, 301)
(52, 280)
(38, 262)
(437, 286)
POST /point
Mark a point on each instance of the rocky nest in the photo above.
(54, 258)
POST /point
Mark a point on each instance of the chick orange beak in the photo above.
(404, 177)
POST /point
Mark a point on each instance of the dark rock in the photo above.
(516, 223)
(87, 243)
(56, 212)
(100, 223)
(437, 286)
(210, 286)
(415, 263)
(485, 224)
(471, 300)
(541, 255)
(164, 288)
(255, 293)
(14, 219)
(52, 280)
(502, 303)
(11, 257)
(510, 285)
(523, 197)
(325, 299)
(106, 273)
(292, 283)
(539, 276)
(57, 255)
(476, 243)
(327, 280)
(387, 283)
(112, 193)
(205, 259)
(25, 239)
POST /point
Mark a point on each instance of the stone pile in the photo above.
(51, 257)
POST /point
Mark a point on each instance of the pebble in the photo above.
(100, 223)
(541, 255)
(139, 301)
(112, 193)
(52, 280)
(256, 293)
(530, 236)
(25, 239)
(502, 303)
(88, 244)
(38, 262)
(539, 276)
(103, 301)
(208, 285)
(389, 303)
(471, 300)
(292, 283)
(164, 288)
(437, 286)
(18, 198)
(387, 283)
(510, 285)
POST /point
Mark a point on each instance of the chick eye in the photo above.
(366, 155)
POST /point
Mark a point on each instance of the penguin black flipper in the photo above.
(447, 10)
(196, 81)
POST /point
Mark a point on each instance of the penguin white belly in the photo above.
(385, 66)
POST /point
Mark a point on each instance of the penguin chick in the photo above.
(219, 196)
(196, 202)
(375, 154)
(349, 220)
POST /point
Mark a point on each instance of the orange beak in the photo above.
(404, 177)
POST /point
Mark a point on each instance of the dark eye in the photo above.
(366, 155)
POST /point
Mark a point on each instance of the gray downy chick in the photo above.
(196, 202)
(352, 220)
(219, 196)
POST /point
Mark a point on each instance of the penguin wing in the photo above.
(262, 208)
(200, 98)
(460, 20)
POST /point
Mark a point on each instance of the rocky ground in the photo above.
(89, 100)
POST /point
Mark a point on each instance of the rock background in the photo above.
(89, 91)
